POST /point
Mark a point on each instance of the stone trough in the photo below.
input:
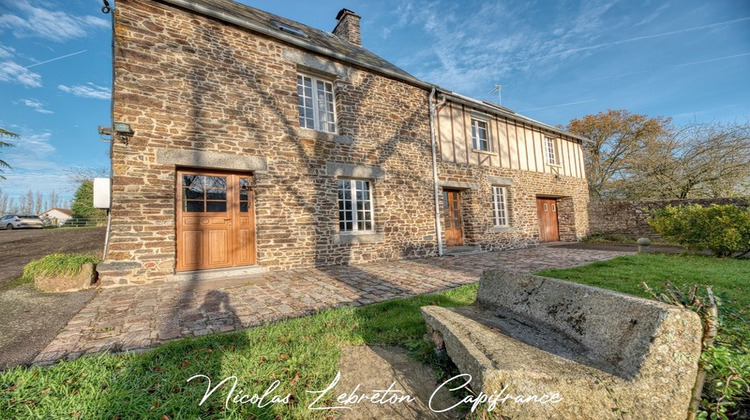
(605, 354)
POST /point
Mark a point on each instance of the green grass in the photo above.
(730, 280)
(301, 353)
(57, 264)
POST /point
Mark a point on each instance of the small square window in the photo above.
(480, 137)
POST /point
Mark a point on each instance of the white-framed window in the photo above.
(550, 147)
(316, 103)
(480, 135)
(500, 206)
(355, 206)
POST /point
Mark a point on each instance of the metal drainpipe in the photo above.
(438, 227)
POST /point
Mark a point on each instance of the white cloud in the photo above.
(57, 26)
(10, 71)
(6, 52)
(36, 105)
(88, 90)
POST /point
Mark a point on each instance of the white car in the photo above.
(14, 221)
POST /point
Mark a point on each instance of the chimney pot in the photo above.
(348, 27)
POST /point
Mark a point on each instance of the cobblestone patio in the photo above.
(140, 317)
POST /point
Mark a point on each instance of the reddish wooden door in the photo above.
(452, 218)
(547, 211)
(215, 221)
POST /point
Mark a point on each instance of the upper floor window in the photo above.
(500, 206)
(316, 104)
(551, 150)
(480, 137)
(355, 206)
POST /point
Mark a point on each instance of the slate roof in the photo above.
(311, 39)
(330, 45)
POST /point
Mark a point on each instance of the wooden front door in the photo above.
(215, 220)
(452, 218)
(546, 208)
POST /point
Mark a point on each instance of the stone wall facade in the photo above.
(523, 187)
(200, 94)
(630, 217)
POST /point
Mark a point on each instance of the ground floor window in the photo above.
(355, 206)
(500, 206)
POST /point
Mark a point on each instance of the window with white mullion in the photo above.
(500, 206)
(355, 206)
(315, 104)
(551, 152)
(480, 135)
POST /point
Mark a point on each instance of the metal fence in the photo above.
(78, 222)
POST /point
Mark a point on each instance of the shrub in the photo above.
(724, 229)
(57, 264)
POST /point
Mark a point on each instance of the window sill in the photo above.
(502, 229)
(322, 135)
(483, 152)
(554, 165)
(358, 238)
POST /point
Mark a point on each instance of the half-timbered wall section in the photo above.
(479, 150)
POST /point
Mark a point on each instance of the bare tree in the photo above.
(698, 160)
(39, 204)
(3, 203)
(53, 199)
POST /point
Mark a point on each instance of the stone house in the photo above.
(252, 142)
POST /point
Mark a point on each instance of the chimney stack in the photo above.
(348, 27)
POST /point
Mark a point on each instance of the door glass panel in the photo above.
(244, 195)
(216, 206)
(202, 193)
(193, 206)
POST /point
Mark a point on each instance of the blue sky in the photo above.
(556, 60)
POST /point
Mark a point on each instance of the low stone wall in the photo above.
(630, 217)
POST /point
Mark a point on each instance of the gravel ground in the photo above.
(29, 319)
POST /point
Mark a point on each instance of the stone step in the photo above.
(455, 251)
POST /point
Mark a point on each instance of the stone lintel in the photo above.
(214, 160)
(499, 180)
(347, 170)
(459, 185)
(311, 64)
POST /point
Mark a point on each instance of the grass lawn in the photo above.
(302, 354)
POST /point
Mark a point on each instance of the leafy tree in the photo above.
(83, 202)
(617, 137)
(5, 133)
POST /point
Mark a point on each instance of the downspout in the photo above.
(112, 137)
(438, 227)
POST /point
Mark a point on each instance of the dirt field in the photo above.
(19, 247)
(30, 319)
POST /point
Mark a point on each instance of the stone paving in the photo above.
(140, 317)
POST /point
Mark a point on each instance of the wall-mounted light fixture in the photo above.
(123, 131)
